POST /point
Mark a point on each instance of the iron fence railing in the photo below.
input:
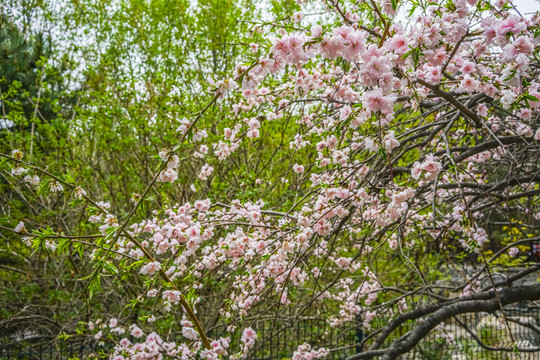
(469, 336)
(71, 349)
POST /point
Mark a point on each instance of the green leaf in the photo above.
(43, 187)
(137, 263)
(68, 178)
(382, 153)
(509, 77)
(77, 247)
(110, 232)
(530, 97)
(76, 202)
(110, 268)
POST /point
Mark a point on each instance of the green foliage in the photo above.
(103, 108)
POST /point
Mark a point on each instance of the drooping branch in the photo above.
(452, 100)
(481, 302)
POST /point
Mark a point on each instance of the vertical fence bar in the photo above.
(281, 346)
(286, 344)
(298, 332)
(271, 343)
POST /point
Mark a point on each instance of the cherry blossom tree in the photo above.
(371, 152)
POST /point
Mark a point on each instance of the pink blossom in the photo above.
(172, 296)
(345, 112)
(222, 86)
(249, 336)
(190, 333)
(298, 168)
(206, 171)
(482, 110)
(431, 167)
(522, 45)
(468, 67)
(209, 354)
(398, 43)
(55, 186)
(253, 133)
(33, 180)
(125, 342)
(370, 145)
(20, 228)
(113, 322)
(354, 46)
(390, 141)
(150, 268)
(185, 125)
(375, 70)
(375, 101)
(316, 31)
(168, 175)
(512, 24)
(468, 84)
(95, 219)
(17, 170)
(136, 332)
(439, 57)
(434, 75)
(297, 17)
(331, 47)
(79, 192)
(479, 236)
(164, 154)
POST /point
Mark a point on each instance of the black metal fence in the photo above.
(278, 342)
(71, 349)
(468, 336)
(485, 336)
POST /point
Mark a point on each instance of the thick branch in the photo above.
(481, 302)
(452, 100)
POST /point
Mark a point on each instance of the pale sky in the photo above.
(527, 6)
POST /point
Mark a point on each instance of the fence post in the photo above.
(359, 334)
